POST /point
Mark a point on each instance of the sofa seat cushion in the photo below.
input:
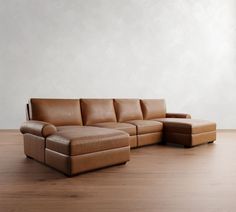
(126, 127)
(69, 127)
(82, 140)
(147, 126)
(187, 126)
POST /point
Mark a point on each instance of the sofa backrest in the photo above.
(153, 108)
(56, 111)
(91, 111)
(128, 109)
(97, 111)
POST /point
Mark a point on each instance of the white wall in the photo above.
(182, 50)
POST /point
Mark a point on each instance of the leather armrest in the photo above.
(178, 115)
(38, 128)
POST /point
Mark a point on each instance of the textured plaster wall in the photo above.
(180, 50)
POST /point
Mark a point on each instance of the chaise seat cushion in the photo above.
(187, 126)
(126, 127)
(82, 140)
(68, 128)
(147, 126)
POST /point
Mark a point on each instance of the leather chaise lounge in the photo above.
(79, 135)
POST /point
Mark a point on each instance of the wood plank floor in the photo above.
(158, 178)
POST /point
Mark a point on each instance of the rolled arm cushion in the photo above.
(38, 128)
(178, 115)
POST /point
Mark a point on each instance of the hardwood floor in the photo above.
(158, 178)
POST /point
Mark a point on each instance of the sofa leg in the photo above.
(210, 142)
(187, 146)
(28, 157)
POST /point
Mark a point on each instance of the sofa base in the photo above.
(151, 138)
(133, 141)
(34, 147)
(190, 140)
(72, 165)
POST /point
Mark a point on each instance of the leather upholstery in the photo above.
(128, 109)
(68, 128)
(189, 140)
(58, 161)
(133, 141)
(87, 162)
(34, 147)
(71, 165)
(56, 111)
(55, 135)
(85, 140)
(153, 108)
(147, 126)
(126, 127)
(129, 128)
(38, 128)
(178, 115)
(97, 111)
(150, 138)
(189, 126)
(188, 132)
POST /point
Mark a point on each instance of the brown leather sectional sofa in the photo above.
(78, 135)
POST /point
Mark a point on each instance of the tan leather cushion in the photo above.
(187, 126)
(126, 127)
(83, 139)
(147, 126)
(128, 109)
(68, 127)
(178, 115)
(56, 111)
(153, 108)
(97, 110)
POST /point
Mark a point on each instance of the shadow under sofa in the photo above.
(79, 135)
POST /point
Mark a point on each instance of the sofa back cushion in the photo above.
(128, 109)
(153, 108)
(97, 111)
(56, 111)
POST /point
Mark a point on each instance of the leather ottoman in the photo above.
(188, 132)
(76, 149)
